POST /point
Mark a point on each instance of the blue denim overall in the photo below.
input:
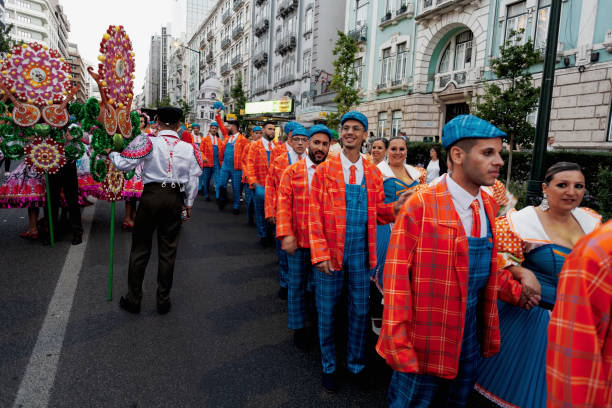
(263, 227)
(228, 172)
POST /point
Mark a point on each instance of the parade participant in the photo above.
(170, 174)
(335, 147)
(197, 137)
(441, 281)
(398, 178)
(579, 356)
(212, 148)
(281, 147)
(346, 202)
(292, 226)
(294, 151)
(537, 239)
(437, 165)
(258, 165)
(378, 150)
(232, 166)
(248, 193)
(185, 135)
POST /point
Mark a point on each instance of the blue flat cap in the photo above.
(468, 127)
(299, 131)
(218, 105)
(320, 129)
(195, 125)
(214, 124)
(289, 126)
(355, 115)
(257, 129)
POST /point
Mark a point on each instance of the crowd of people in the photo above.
(479, 298)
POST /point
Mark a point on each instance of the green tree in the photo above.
(162, 102)
(185, 107)
(6, 42)
(239, 97)
(511, 97)
(344, 79)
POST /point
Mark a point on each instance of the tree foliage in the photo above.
(240, 99)
(6, 42)
(511, 96)
(344, 79)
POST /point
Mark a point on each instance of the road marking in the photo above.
(35, 388)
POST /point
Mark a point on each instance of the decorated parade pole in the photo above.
(112, 253)
(49, 215)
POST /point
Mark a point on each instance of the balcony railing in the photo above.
(237, 60)
(261, 26)
(225, 16)
(285, 79)
(225, 43)
(286, 44)
(286, 7)
(391, 85)
(393, 17)
(202, 43)
(238, 3)
(259, 2)
(209, 35)
(209, 57)
(225, 69)
(459, 77)
(430, 8)
(237, 31)
(260, 59)
(359, 34)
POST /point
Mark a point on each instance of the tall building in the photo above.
(40, 21)
(163, 69)
(177, 74)
(153, 75)
(79, 74)
(188, 15)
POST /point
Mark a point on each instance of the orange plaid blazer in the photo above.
(579, 355)
(426, 284)
(275, 172)
(257, 163)
(293, 204)
(239, 145)
(243, 160)
(281, 148)
(206, 147)
(327, 214)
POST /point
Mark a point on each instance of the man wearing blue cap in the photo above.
(249, 199)
(212, 148)
(232, 165)
(441, 282)
(346, 203)
(292, 227)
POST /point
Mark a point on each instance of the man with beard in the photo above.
(232, 166)
(347, 201)
(248, 193)
(258, 165)
(292, 226)
(295, 148)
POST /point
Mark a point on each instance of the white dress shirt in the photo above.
(346, 168)
(266, 144)
(433, 170)
(213, 139)
(232, 138)
(462, 200)
(184, 167)
(310, 170)
(294, 156)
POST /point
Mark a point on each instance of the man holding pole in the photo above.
(170, 176)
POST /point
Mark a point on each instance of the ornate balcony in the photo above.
(459, 78)
(260, 59)
(202, 44)
(237, 32)
(392, 18)
(286, 44)
(261, 26)
(209, 35)
(437, 8)
(359, 34)
(286, 7)
(238, 3)
(225, 16)
(236, 61)
(209, 57)
(225, 43)
(259, 2)
(225, 69)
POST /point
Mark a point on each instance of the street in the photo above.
(225, 343)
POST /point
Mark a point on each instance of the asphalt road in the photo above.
(225, 342)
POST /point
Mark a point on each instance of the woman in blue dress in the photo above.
(535, 239)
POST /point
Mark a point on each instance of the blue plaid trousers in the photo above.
(283, 264)
(208, 173)
(259, 196)
(236, 177)
(248, 200)
(300, 269)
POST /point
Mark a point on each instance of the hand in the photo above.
(289, 244)
(69, 137)
(187, 213)
(532, 290)
(271, 220)
(206, 161)
(400, 201)
(324, 267)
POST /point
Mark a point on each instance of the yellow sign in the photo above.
(280, 106)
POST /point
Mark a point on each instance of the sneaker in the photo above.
(328, 381)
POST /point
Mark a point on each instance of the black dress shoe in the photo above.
(361, 379)
(235, 211)
(301, 340)
(129, 306)
(77, 239)
(251, 222)
(282, 293)
(207, 199)
(328, 381)
(164, 308)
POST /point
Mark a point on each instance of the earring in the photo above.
(544, 204)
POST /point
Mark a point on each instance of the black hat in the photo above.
(168, 115)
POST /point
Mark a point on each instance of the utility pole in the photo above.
(534, 185)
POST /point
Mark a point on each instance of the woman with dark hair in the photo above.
(437, 164)
(378, 149)
(533, 244)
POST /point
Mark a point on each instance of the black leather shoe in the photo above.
(77, 239)
(328, 381)
(361, 379)
(282, 293)
(129, 306)
(301, 340)
(164, 308)
(235, 211)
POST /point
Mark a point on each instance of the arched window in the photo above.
(455, 60)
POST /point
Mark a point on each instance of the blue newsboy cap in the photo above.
(218, 105)
(355, 115)
(195, 125)
(320, 129)
(214, 124)
(468, 127)
(290, 126)
(299, 130)
(257, 129)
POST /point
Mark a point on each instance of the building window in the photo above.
(543, 16)
(307, 61)
(385, 74)
(276, 73)
(396, 123)
(308, 21)
(459, 51)
(382, 124)
(361, 14)
(463, 50)
(402, 62)
(516, 20)
(358, 66)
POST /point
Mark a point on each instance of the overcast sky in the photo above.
(141, 19)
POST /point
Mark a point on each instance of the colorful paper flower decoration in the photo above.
(116, 68)
(113, 183)
(36, 75)
(45, 156)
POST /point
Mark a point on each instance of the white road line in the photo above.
(35, 388)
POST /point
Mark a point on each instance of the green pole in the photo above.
(534, 185)
(49, 217)
(112, 252)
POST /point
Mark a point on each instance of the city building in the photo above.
(422, 62)
(177, 74)
(2, 15)
(188, 15)
(153, 75)
(80, 77)
(210, 91)
(41, 21)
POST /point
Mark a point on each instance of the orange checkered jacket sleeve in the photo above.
(327, 225)
(579, 355)
(425, 287)
(257, 164)
(206, 147)
(279, 150)
(293, 204)
(243, 161)
(277, 167)
(239, 146)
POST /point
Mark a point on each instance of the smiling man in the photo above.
(441, 281)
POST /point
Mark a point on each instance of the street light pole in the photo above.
(534, 185)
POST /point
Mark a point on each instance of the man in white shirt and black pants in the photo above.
(170, 176)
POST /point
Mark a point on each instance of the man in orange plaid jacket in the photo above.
(441, 280)
(248, 193)
(292, 227)
(579, 357)
(347, 200)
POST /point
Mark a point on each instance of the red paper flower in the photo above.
(45, 156)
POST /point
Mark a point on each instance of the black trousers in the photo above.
(159, 209)
(66, 178)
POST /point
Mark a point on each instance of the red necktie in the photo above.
(353, 176)
(475, 219)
